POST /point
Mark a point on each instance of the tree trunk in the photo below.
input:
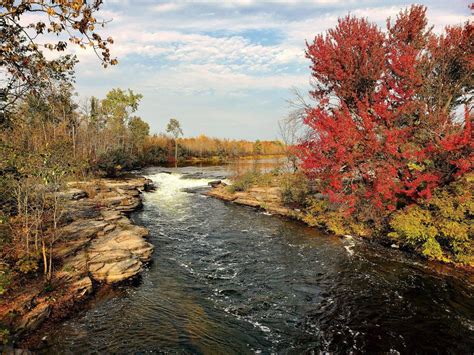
(45, 258)
(176, 152)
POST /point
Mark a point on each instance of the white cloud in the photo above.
(167, 7)
(188, 54)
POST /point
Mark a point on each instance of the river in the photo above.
(231, 280)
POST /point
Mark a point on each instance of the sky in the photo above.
(225, 68)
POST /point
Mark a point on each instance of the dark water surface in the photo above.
(227, 279)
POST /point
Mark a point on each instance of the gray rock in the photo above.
(215, 183)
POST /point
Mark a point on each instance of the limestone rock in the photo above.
(82, 229)
(74, 194)
(118, 266)
(119, 255)
(247, 202)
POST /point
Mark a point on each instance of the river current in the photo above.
(227, 279)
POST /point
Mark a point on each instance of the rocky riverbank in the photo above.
(267, 198)
(98, 245)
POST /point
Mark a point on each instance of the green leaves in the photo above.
(174, 127)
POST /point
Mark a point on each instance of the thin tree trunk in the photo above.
(176, 152)
(45, 258)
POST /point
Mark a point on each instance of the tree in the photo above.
(139, 130)
(257, 147)
(23, 66)
(383, 133)
(292, 133)
(174, 128)
(117, 107)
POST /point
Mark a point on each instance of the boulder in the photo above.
(129, 240)
(149, 186)
(77, 264)
(74, 194)
(115, 266)
(70, 247)
(119, 255)
(215, 183)
(128, 205)
(111, 215)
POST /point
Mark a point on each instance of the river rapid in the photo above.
(229, 279)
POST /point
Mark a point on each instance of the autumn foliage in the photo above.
(393, 114)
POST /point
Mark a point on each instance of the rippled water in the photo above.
(227, 279)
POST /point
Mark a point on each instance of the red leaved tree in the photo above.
(384, 129)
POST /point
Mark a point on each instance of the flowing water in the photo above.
(228, 279)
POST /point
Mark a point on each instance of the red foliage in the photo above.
(384, 129)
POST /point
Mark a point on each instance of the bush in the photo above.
(441, 228)
(4, 336)
(115, 161)
(244, 181)
(322, 214)
(27, 265)
(5, 279)
(294, 189)
(155, 155)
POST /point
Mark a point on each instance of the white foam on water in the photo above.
(169, 192)
(349, 244)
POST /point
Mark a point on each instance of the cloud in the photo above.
(234, 60)
(167, 7)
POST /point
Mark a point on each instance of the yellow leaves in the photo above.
(319, 214)
(50, 11)
(442, 227)
(413, 224)
(415, 166)
(454, 230)
(432, 250)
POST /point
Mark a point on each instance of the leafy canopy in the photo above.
(383, 132)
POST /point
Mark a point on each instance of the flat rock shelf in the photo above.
(98, 245)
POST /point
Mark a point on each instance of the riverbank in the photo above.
(269, 198)
(264, 197)
(98, 245)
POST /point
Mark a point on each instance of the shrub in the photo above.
(115, 161)
(244, 181)
(441, 228)
(155, 155)
(27, 265)
(5, 279)
(294, 189)
(322, 214)
(371, 138)
(4, 335)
